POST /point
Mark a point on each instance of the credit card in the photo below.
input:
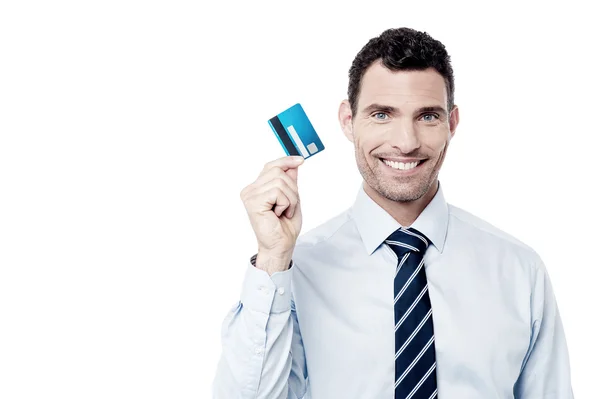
(295, 133)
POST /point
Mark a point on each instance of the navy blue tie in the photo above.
(415, 364)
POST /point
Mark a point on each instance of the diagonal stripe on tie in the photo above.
(415, 364)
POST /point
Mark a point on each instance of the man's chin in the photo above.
(404, 197)
(403, 192)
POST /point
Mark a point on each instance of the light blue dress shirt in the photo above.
(324, 329)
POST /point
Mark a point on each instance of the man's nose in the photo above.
(404, 136)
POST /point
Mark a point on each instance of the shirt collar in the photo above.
(375, 225)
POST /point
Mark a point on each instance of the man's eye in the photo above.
(380, 115)
(430, 117)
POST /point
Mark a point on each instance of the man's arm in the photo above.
(262, 351)
(546, 370)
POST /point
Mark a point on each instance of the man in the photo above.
(402, 295)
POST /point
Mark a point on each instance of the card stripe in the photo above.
(283, 136)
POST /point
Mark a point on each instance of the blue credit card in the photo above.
(295, 133)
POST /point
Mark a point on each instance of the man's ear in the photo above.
(345, 118)
(454, 119)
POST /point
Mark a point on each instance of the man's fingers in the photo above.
(277, 173)
(293, 174)
(278, 193)
(281, 173)
(284, 163)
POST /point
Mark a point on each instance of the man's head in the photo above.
(400, 107)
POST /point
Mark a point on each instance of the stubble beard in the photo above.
(399, 189)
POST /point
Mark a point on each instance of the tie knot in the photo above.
(404, 240)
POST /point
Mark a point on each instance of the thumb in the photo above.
(293, 173)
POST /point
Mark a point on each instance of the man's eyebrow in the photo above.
(380, 108)
(436, 108)
(393, 110)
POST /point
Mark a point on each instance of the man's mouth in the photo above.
(402, 165)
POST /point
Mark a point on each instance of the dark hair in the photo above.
(401, 49)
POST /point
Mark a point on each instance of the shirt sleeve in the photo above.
(546, 370)
(262, 352)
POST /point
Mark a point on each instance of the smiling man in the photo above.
(401, 128)
(402, 295)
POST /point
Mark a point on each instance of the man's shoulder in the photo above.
(468, 222)
(328, 244)
(323, 232)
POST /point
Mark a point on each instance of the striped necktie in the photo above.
(415, 364)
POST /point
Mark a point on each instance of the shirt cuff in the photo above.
(253, 261)
(264, 293)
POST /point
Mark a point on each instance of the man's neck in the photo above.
(404, 213)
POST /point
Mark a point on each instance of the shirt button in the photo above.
(258, 350)
(281, 290)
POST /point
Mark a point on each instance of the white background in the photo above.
(129, 128)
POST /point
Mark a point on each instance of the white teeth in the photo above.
(400, 165)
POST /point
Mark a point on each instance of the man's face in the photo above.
(401, 116)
